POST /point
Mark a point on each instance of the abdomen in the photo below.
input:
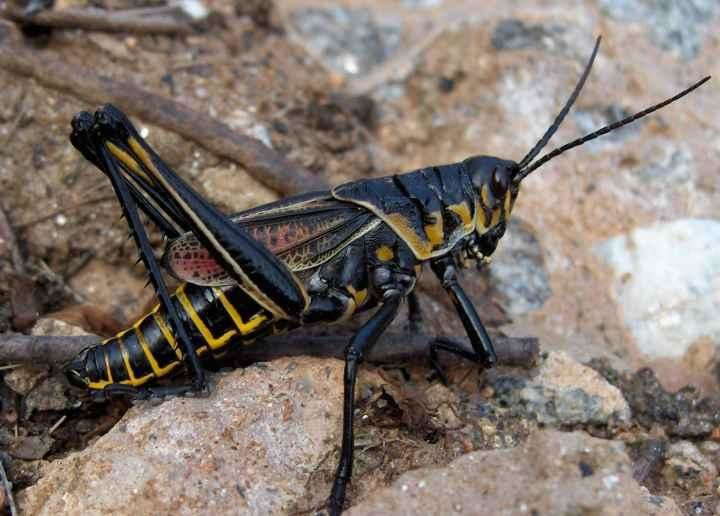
(215, 317)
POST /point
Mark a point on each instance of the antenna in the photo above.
(564, 111)
(611, 127)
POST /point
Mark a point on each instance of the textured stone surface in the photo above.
(679, 27)
(688, 469)
(666, 281)
(350, 41)
(562, 391)
(249, 448)
(552, 473)
(518, 270)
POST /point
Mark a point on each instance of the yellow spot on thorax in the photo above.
(434, 231)
(384, 253)
(462, 211)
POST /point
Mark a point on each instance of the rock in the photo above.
(117, 288)
(518, 270)
(421, 3)
(551, 473)
(250, 447)
(347, 40)
(682, 413)
(49, 395)
(24, 378)
(688, 469)
(512, 34)
(31, 447)
(665, 281)
(565, 392)
(679, 27)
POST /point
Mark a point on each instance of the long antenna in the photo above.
(611, 127)
(561, 116)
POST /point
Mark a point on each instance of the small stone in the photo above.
(715, 434)
(670, 299)
(32, 447)
(563, 391)
(24, 378)
(512, 34)
(347, 40)
(688, 469)
(49, 395)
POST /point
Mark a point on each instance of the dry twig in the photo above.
(263, 163)
(22, 287)
(93, 19)
(393, 348)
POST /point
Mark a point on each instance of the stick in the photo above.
(93, 19)
(393, 347)
(263, 163)
(34, 349)
(22, 288)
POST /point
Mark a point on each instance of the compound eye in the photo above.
(499, 183)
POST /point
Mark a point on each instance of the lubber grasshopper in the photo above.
(320, 257)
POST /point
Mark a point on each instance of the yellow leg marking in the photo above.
(127, 160)
(243, 327)
(165, 329)
(384, 253)
(210, 339)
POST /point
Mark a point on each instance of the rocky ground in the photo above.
(612, 260)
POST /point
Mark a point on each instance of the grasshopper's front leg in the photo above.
(482, 350)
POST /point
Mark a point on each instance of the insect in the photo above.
(319, 257)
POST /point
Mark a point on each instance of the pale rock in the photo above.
(551, 473)
(667, 283)
(251, 447)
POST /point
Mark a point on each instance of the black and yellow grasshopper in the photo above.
(320, 257)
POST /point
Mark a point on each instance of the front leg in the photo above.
(483, 350)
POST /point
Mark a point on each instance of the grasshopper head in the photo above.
(494, 183)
